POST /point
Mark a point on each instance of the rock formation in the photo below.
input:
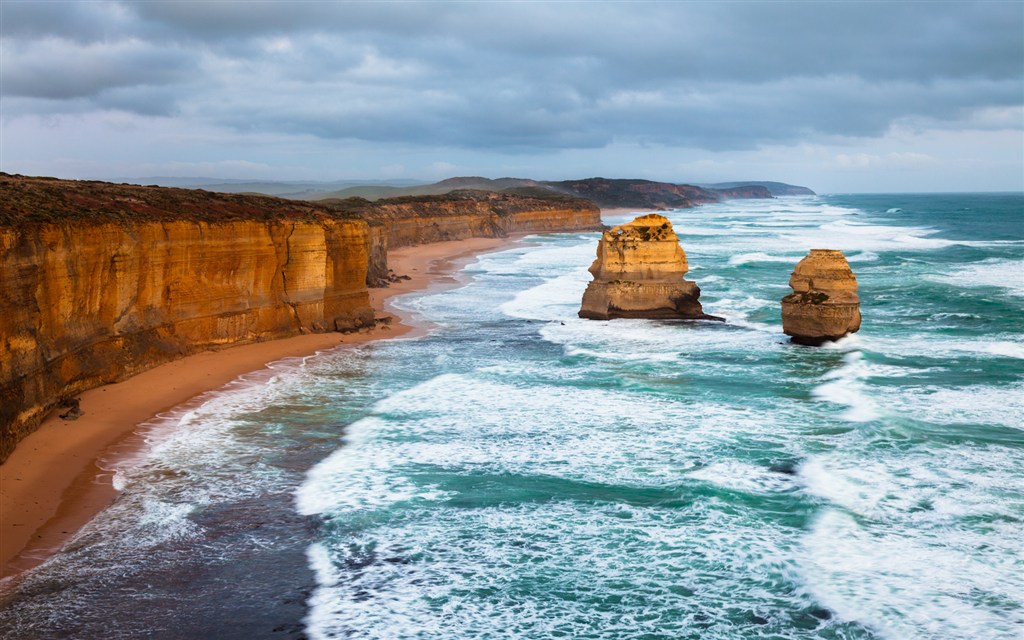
(824, 304)
(639, 274)
(100, 281)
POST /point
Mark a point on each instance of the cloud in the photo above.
(524, 78)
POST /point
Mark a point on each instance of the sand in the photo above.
(52, 485)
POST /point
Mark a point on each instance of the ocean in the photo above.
(522, 473)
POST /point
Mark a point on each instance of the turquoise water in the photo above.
(522, 473)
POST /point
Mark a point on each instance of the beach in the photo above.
(52, 485)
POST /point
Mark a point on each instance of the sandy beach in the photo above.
(51, 485)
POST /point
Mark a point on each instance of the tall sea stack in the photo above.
(824, 305)
(639, 274)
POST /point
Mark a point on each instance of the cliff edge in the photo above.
(101, 281)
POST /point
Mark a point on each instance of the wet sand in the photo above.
(52, 485)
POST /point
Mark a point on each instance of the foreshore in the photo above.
(52, 485)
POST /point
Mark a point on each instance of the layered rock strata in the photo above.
(824, 305)
(639, 273)
(100, 281)
(89, 305)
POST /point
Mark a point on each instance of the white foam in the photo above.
(972, 404)
(846, 387)
(747, 258)
(907, 587)
(920, 543)
(992, 272)
(938, 346)
(742, 476)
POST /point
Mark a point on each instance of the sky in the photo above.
(838, 96)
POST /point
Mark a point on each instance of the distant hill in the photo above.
(776, 188)
(293, 190)
(605, 192)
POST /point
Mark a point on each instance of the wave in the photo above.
(1006, 274)
(915, 542)
(846, 387)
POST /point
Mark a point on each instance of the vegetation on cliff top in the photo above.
(33, 200)
(605, 192)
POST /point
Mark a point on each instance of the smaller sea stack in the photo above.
(639, 274)
(824, 305)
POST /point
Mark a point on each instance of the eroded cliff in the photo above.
(89, 304)
(101, 281)
(412, 220)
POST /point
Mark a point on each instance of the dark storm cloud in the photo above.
(526, 76)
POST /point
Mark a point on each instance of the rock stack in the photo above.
(639, 274)
(824, 304)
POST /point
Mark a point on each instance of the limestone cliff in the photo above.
(412, 220)
(639, 273)
(824, 304)
(86, 305)
(101, 281)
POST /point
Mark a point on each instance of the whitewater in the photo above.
(522, 473)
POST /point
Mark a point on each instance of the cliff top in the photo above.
(25, 199)
(37, 200)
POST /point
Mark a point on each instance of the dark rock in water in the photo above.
(639, 273)
(786, 467)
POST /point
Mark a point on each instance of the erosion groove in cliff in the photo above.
(100, 281)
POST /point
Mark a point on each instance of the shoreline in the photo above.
(52, 485)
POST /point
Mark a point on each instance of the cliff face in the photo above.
(639, 273)
(412, 220)
(87, 305)
(101, 281)
(824, 304)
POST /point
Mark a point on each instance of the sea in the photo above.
(521, 473)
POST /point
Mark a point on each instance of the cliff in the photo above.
(461, 214)
(639, 273)
(647, 194)
(100, 281)
(824, 304)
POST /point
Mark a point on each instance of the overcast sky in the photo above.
(840, 97)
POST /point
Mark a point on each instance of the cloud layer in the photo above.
(512, 79)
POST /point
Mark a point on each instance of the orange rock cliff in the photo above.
(99, 282)
(639, 273)
(824, 304)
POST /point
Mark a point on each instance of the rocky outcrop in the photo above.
(91, 304)
(639, 273)
(101, 281)
(824, 304)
